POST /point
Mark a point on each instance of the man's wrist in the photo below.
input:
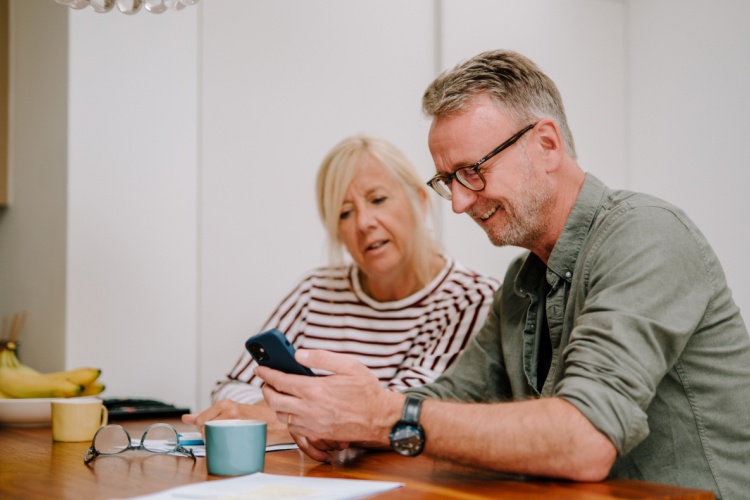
(407, 436)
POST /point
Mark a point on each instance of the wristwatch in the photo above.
(407, 436)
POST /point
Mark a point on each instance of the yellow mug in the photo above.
(77, 419)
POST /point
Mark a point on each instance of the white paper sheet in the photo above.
(200, 451)
(264, 486)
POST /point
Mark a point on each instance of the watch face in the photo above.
(407, 439)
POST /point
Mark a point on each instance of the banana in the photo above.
(5, 395)
(92, 389)
(26, 369)
(80, 376)
(21, 381)
(30, 385)
(8, 358)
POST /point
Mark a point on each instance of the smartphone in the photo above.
(273, 349)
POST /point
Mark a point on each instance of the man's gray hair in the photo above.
(514, 83)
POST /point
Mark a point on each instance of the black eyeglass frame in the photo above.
(92, 452)
(447, 178)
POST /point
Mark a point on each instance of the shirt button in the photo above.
(568, 274)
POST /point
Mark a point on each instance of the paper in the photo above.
(262, 486)
(200, 451)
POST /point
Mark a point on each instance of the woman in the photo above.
(402, 308)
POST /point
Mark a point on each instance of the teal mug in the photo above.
(235, 447)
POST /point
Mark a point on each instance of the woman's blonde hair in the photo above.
(337, 171)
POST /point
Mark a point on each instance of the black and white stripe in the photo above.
(405, 343)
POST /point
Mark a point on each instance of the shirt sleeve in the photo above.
(241, 384)
(241, 392)
(646, 285)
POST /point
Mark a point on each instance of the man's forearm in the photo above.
(547, 437)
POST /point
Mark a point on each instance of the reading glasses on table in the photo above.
(113, 439)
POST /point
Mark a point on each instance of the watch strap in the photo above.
(412, 409)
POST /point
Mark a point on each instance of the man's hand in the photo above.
(226, 409)
(327, 413)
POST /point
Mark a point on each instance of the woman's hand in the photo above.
(226, 409)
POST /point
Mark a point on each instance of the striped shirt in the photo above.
(406, 343)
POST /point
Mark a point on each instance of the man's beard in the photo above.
(525, 221)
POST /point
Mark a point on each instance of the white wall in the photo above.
(194, 138)
(689, 129)
(132, 201)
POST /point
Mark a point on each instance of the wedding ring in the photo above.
(288, 419)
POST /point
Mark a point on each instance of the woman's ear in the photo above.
(424, 201)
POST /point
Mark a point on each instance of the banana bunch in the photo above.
(20, 381)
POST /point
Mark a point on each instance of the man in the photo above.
(613, 348)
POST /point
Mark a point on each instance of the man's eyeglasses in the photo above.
(470, 177)
(114, 439)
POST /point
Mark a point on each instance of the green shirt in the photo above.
(647, 342)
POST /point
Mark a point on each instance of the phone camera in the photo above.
(258, 352)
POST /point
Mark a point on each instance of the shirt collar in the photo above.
(564, 254)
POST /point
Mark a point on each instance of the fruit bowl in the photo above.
(31, 412)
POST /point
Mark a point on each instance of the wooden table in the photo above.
(33, 466)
